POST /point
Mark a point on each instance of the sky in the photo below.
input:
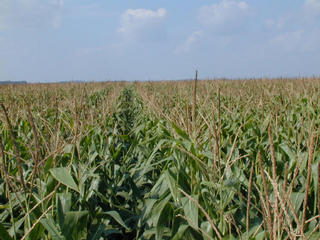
(103, 40)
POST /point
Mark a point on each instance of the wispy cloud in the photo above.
(224, 12)
(288, 41)
(30, 13)
(142, 24)
(296, 31)
(313, 5)
(223, 18)
(190, 41)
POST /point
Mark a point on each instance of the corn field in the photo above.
(222, 159)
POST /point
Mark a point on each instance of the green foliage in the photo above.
(132, 173)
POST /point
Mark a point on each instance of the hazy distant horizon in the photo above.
(159, 80)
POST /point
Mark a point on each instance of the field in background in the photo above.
(225, 159)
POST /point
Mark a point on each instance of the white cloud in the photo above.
(313, 5)
(30, 13)
(297, 41)
(222, 19)
(224, 12)
(297, 31)
(312, 11)
(142, 23)
(191, 40)
(278, 24)
(289, 41)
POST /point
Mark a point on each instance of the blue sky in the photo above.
(60, 40)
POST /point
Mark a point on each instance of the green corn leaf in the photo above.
(4, 235)
(64, 202)
(68, 148)
(49, 225)
(297, 199)
(172, 185)
(163, 221)
(206, 227)
(98, 233)
(180, 132)
(63, 176)
(191, 210)
(72, 224)
(180, 233)
(116, 216)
